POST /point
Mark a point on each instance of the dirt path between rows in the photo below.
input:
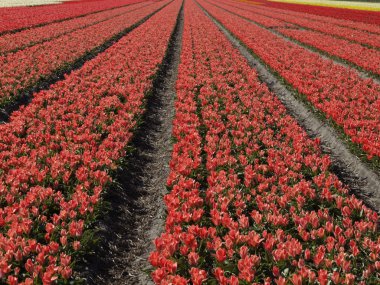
(362, 73)
(356, 175)
(137, 210)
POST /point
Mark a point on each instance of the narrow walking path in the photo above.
(136, 208)
(360, 179)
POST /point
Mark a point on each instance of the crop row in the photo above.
(338, 92)
(251, 199)
(26, 68)
(29, 37)
(312, 17)
(26, 17)
(357, 16)
(58, 153)
(350, 34)
(364, 57)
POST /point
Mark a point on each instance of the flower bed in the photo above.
(29, 37)
(57, 154)
(332, 29)
(373, 28)
(346, 14)
(252, 200)
(364, 57)
(15, 18)
(338, 92)
(26, 68)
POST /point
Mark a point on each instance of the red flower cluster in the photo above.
(317, 18)
(349, 33)
(357, 16)
(251, 198)
(364, 57)
(24, 68)
(367, 58)
(339, 92)
(58, 153)
(29, 37)
(24, 17)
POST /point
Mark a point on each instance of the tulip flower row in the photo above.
(251, 199)
(358, 16)
(25, 68)
(366, 58)
(340, 93)
(26, 17)
(357, 36)
(312, 17)
(58, 153)
(29, 37)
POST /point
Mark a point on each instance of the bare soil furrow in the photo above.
(136, 209)
(360, 179)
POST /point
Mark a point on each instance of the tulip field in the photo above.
(250, 195)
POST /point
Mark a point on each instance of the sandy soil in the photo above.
(19, 3)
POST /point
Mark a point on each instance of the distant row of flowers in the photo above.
(362, 33)
(252, 200)
(361, 19)
(16, 41)
(23, 69)
(15, 18)
(294, 27)
(352, 102)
